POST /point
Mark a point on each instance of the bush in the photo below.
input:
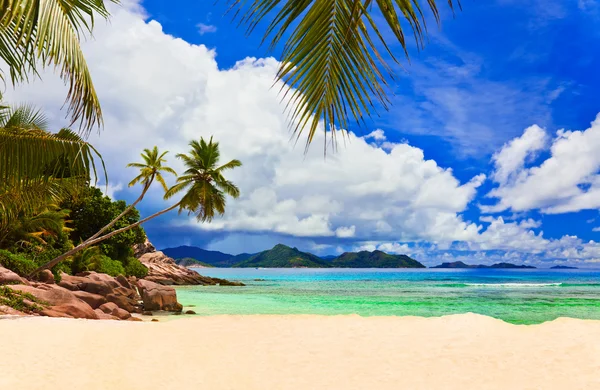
(17, 263)
(106, 265)
(135, 268)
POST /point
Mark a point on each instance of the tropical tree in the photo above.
(32, 230)
(36, 34)
(205, 189)
(204, 182)
(151, 169)
(38, 167)
(331, 59)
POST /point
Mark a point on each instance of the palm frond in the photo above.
(47, 33)
(30, 154)
(330, 58)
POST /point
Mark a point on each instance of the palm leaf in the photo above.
(30, 154)
(330, 59)
(48, 32)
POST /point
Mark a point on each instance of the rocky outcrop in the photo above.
(97, 289)
(9, 277)
(61, 302)
(115, 311)
(158, 297)
(163, 270)
(89, 295)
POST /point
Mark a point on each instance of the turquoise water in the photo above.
(515, 296)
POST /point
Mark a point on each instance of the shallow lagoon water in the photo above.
(516, 296)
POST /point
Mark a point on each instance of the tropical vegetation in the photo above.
(203, 185)
(336, 53)
(331, 58)
(39, 34)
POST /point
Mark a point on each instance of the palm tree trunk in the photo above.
(91, 242)
(128, 209)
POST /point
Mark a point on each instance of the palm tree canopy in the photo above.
(151, 168)
(37, 166)
(47, 33)
(204, 182)
(330, 55)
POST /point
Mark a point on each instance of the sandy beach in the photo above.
(299, 352)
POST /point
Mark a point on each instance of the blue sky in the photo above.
(454, 171)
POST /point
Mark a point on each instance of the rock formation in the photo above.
(89, 295)
(163, 270)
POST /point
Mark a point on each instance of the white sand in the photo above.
(299, 352)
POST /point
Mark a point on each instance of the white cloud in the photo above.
(566, 181)
(161, 90)
(206, 28)
(510, 159)
(110, 189)
(377, 135)
(345, 232)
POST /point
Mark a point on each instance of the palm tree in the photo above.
(32, 229)
(39, 167)
(330, 58)
(204, 181)
(151, 169)
(35, 34)
(206, 189)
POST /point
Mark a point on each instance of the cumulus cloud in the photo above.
(510, 159)
(157, 89)
(160, 90)
(377, 135)
(566, 181)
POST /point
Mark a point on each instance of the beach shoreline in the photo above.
(465, 351)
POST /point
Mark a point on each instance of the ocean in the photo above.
(515, 296)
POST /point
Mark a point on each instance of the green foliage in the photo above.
(81, 260)
(203, 181)
(106, 265)
(18, 263)
(135, 268)
(190, 262)
(36, 34)
(330, 59)
(151, 169)
(93, 211)
(16, 300)
(282, 256)
(375, 259)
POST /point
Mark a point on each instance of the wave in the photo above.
(513, 285)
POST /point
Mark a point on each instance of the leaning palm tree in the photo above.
(205, 189)
(331, 60)
(35, 34)
(204, 182)
(151, 169)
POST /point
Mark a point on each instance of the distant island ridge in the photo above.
(460, 264)
(283, 256)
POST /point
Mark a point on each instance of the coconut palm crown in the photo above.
(203, 181)
(151, 169)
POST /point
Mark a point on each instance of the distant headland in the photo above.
(283, 256)
(460, 264)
